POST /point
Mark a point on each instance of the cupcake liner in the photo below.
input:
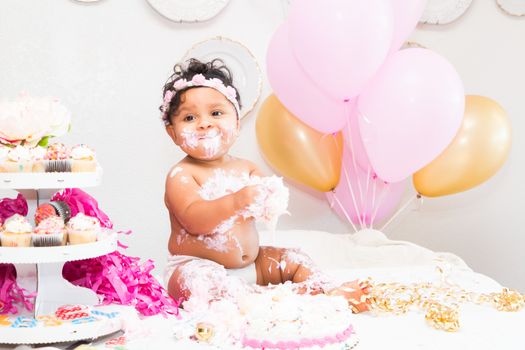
(8, 239)
(82, 237)
(83, 166)
(47, 239)
(63, 209)
(58, 166)
(18, 167)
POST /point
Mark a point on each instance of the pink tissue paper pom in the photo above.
(10, 207)
(122, 280)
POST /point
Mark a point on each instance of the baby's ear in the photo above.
(171, 132)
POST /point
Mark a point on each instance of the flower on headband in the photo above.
(167, 99)
(231, 93)
(180, 84)
(198, 79)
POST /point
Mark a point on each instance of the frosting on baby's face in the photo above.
(205, 124)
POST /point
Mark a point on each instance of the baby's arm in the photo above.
(196, 215)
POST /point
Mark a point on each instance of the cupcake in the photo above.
(17, 232)
(38, 154)
(83, 159)
(4, 150)
(82, 229)
(50, 232)
(57, 159)
(18, 160)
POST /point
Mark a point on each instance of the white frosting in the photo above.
(19, 153)
(271, 203)
(81, 222)
(175, 171)
(3, 151)
(279, 314)
(17, 224)
(82, 152)
(38, 153)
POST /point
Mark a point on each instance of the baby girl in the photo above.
(214, 198)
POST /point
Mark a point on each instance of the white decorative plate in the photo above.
(188, 10)
(444, 11)
(512, 7)
(247, 77)
(412, 45)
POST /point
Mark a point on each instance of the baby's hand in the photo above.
(246, 196)
(356, 293)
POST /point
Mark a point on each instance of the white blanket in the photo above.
(371, 254)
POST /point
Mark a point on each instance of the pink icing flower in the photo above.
(180, 84)
(198, 79)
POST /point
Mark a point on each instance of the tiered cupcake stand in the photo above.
(53, 291)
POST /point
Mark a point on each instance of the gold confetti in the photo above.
(204, 331)
(440, 301)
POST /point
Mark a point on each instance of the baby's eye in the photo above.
(216, 113)
(189, 118)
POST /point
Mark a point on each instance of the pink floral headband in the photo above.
(199, 80)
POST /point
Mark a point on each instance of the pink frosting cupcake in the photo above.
(50, 232)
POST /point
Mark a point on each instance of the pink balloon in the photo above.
(353, 141)
(340, 44)
(296, 91)
(406, 16)
(375, 200)
(410, 112)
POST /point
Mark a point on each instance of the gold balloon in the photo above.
(479, 149)
(296, 150)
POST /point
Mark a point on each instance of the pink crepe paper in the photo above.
(122, 280)
(10, 207)
(81, 202)
(11, 293)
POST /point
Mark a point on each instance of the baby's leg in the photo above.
(204, 281)
(279, 265)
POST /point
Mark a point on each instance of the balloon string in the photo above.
(380, 201)
(417, 196)
(358, 211)
(343, 210)
(354, 163)
(364, 200)
(373, 200)
(349, 184)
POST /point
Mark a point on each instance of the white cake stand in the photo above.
(53, 290)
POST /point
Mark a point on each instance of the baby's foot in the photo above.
(356, 293)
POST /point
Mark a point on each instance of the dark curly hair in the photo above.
(213, 69)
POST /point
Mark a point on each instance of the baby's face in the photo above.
(205, 125)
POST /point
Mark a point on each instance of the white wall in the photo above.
(107, 61)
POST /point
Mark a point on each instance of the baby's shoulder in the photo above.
(180, 173)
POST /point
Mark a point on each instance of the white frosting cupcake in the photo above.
(17, 232)
(38, 154)
(83, 159)
(4, 150)
(18, 160)
(82, 229)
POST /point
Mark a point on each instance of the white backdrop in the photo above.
(108, 60)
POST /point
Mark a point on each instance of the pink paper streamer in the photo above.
(11, 293)
(123, 280)
(81, 202)
(10, 207)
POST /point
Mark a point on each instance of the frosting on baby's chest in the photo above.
(222, 183)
